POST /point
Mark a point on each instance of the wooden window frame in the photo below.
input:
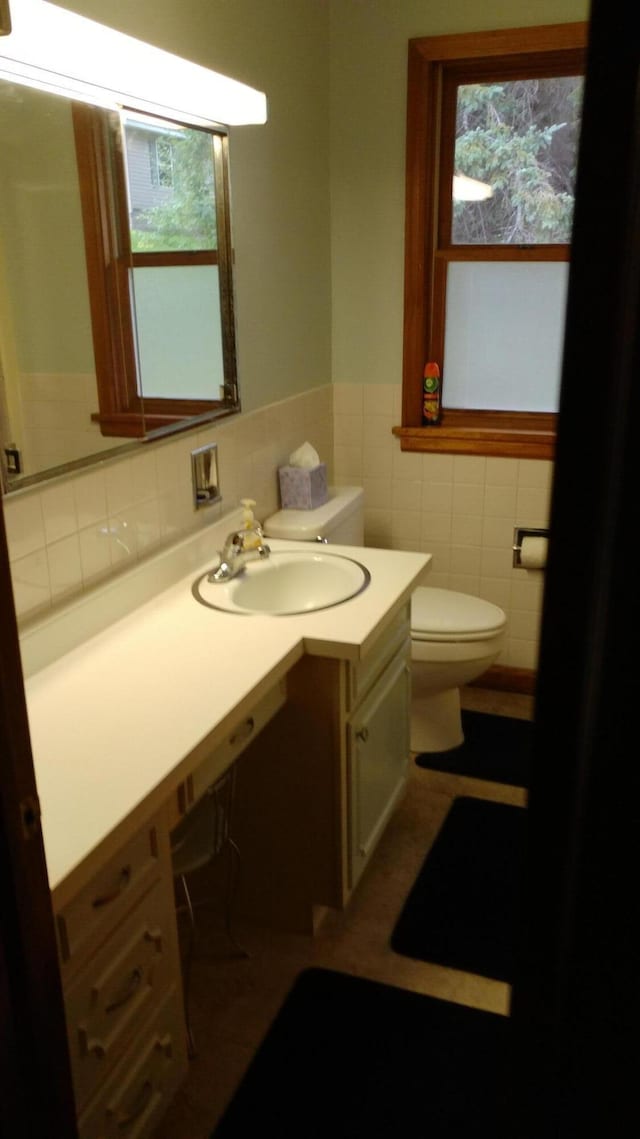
(110, 259)
(436, 66)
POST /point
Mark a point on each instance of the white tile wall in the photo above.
(80, 529)
(57, 410)
(461, 508)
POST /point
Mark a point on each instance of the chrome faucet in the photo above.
(240, 547)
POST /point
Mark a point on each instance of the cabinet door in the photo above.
(378, 738)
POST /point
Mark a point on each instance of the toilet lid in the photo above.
(444, 615)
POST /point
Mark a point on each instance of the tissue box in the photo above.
(303, 488)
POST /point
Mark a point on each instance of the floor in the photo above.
(234, 999)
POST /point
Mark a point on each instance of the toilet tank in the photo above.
(340, 520)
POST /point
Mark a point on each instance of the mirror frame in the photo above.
(133, 421)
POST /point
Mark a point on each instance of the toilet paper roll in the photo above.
(533, 554)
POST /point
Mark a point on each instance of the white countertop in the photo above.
(116, 719)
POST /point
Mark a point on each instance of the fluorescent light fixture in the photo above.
(59, 51)
(470, 190)
(5, 18)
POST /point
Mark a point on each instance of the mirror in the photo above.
(114, 325)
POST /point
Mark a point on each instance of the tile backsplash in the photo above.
(56, 419)
(81, 529)
(462, 509)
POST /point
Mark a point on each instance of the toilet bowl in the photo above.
(455, 637)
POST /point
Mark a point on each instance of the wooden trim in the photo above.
(501, 678)
(167, 258)
(535, 421)
(521, 435)
(225, 262)
(109, 298)
(5, 18)
(422, 118)
(554, 47)
(523, 253)
(123, 412)
(129, 425)
(501, 42)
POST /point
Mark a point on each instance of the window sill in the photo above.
(515, 435)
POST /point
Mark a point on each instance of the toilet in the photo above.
(455, 637)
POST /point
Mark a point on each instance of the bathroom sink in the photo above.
(286, 583)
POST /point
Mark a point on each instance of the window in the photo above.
(161, 161)
(155, 203)
(492, 128)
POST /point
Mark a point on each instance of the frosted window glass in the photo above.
(179, 335)
(504, 335)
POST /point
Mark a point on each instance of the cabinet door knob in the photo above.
(363, 735)
(155, 937)
(96, 1047)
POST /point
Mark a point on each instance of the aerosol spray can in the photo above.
(431, 395)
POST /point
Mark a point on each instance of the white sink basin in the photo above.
(286, 583)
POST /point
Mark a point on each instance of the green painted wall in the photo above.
(44, 269)
(368, 54)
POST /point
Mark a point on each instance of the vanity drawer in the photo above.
(366, 672)
(140, 1088)
(117, 991)
(243, 733)
(109, 894)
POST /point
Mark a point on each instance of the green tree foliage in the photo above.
(186, 220)
(520, 137)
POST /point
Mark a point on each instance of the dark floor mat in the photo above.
(351, 1058)
(461, 910)
(495, 747)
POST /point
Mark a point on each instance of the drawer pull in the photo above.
(94, 1046)
(141, 1102)
(129, 990)
(243, 732)
(363, 735)
(155, 937)
(123, 881)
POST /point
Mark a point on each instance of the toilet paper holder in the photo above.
(519, 534)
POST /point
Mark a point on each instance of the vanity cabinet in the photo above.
(140, 1088)
(121, 978)
(315, 793)
(311, 709)
(377, 758)
(119, 958)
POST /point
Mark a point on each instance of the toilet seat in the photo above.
(444, 615)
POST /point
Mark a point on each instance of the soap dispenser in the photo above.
(251, 529)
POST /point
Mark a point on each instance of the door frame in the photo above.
(36, 1096)
(573, 1000)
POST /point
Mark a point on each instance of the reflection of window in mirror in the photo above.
(155, 201)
